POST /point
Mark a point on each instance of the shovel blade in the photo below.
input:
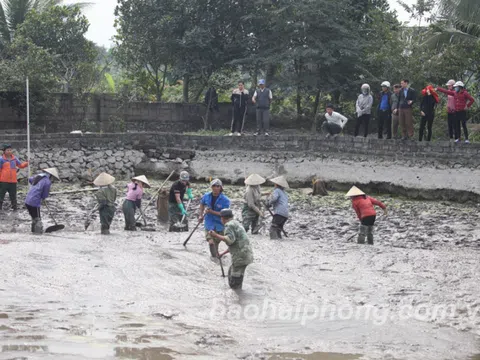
(54, 228)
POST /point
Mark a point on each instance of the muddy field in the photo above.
(314, 295)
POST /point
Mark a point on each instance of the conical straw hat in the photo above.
(254, 179)
(104, 179)
(280, 180)
(52, 171)
(143, 179)
(354, 191)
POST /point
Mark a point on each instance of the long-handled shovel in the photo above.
(88, 221)
(181, 224)
(55, 227)
(142, 213)
(189, 236)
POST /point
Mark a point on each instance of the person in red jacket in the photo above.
(463, 101)
(363, 206)
(8, 176)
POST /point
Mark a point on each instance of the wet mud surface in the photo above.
(75, 294)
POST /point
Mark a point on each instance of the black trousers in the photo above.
(451, 126)
(461, 119)
(331, 128)
(33, 211)
(426, 120)
(384, 118)
(364, 119)
(238, 119)
(369, 220)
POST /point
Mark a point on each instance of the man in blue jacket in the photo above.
(210, 206)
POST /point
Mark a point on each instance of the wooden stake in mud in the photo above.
(142, 213)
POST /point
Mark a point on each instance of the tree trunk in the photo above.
(315, 109)
(205, 119)
(198, 94)
(336, 97)
(186, 80)
(299, 102)
(270, 75)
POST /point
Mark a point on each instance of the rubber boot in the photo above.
(370, 235)
(38, 226)
(362, 234)
(105, 230)
(14, 205)
(275, 232)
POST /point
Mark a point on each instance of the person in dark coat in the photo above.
(427, 110)
(239, 102)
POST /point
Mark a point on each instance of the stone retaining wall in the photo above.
(346, 160)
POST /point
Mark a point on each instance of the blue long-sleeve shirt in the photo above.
(39, 191)
(279, 201)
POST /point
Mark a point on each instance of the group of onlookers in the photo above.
(394, 113)
(395, 109)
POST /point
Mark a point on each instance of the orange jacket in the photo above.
(8, 169)
(363, 206)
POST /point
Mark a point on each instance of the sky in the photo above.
(100, 15)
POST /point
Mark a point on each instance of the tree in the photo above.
(457, 21)
(60, 30)
(14, 12)
(146, 41)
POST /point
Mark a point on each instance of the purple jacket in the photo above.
(39, 191)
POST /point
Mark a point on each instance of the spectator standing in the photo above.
(463, 101)
(384, 111)
(263, 98)
(334, 122)
(427, 110)
(451, 112)
(364, 109)
(394, 99)
(239, 102)
(405, 109)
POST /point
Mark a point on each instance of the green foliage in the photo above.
(60, 30)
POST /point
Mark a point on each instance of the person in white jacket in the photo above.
(363, 109)
(334, 122)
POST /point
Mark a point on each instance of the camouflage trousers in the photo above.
(235, 276)
(249, 218)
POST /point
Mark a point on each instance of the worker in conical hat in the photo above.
(252, 213)
(364, 207)
(106, 196)
(279, 200)
(133, 200)
(39, 191)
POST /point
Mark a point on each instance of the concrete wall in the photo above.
(105, 113)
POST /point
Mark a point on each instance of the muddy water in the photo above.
(315, 295)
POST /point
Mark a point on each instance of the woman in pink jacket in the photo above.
(463, 101)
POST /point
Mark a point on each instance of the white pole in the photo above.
(28, 129)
